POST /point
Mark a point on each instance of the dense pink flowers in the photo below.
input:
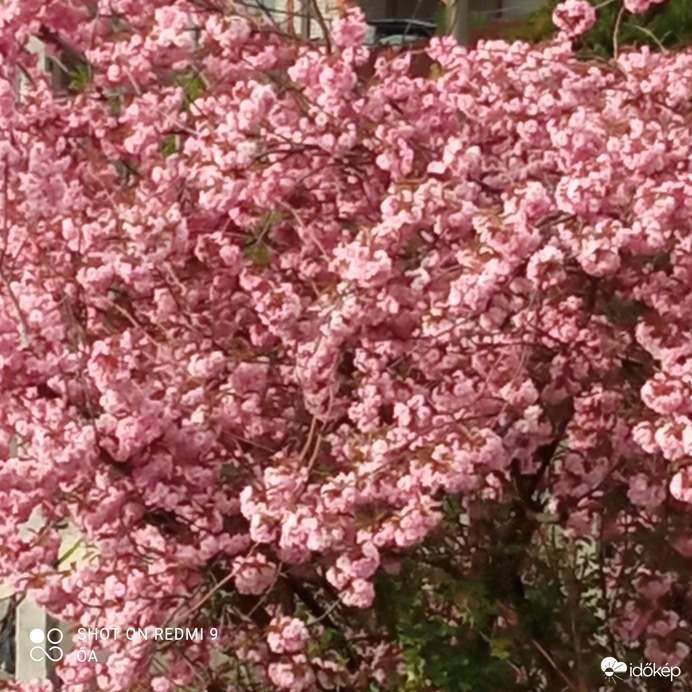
(275, 318)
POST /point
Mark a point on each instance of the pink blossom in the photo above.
(293, 674)
(640, 6)
(287, 635)
(360, 593)
(681, 485)
(574, 17)
(645, 493)
(350, 29)
(253, 574)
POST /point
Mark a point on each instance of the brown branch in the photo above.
(24, 342)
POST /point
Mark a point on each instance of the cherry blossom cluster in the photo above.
(265, 304)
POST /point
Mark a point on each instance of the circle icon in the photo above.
(54, 636)
(36, 636)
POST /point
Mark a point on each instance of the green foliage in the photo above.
(257, 253)
(538, 25)
(441, 19)
(169, 145)
(80, 78)
(664, 26)
(439, 621)
(531, 600)
(193, 85)
(477, 20)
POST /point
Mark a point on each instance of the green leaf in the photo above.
(169, 145)
(192, 84)
(70, 552)
(499, 648)
(257, 253)
(79, 78)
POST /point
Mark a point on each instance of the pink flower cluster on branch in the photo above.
(261, 312)
(574, 17)
(640, 6)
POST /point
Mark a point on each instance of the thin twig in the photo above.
(643, 29)
(325, 614)
(616, 32)
(550, 660)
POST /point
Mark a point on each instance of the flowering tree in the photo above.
(382, 376)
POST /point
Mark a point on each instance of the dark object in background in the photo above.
(8, 624)
(395, 32)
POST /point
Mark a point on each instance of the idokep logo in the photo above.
(54, 652)
(614, 670)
